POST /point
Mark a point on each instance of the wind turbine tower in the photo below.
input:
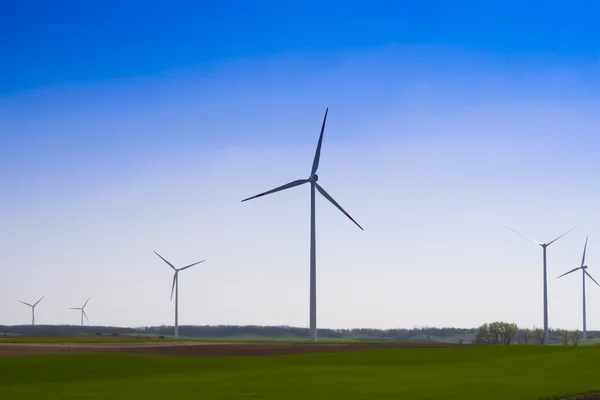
(176, 289)
(312, 179)
(584, 273)
(544, 247)
(32, 309)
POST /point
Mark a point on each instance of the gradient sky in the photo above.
(128, 128)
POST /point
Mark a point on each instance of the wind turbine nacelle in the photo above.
(314, 178)
(584, 267)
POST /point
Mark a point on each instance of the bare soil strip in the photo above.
(198, 349)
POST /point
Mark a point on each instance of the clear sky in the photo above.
(128, 128)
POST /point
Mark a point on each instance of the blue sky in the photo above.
(72, 41)
(134, 127)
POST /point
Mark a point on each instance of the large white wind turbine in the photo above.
(82, 310)
(32, 309)
(176, 289)
(313, 257)
(584, 272)
(544, 246)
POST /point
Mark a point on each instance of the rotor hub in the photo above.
(314, 178)
(584, 267)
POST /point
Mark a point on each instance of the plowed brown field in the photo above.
(202, 349)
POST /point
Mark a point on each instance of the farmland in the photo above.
(150, 370)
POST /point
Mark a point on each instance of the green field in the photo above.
(504, 373)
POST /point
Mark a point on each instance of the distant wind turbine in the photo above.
(32, 309)
(82, 310)
(544, 246)
(176, 289)
(313, 256)
(584, 272)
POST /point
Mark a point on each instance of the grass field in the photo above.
(506, 373)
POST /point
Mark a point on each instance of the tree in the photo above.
(483, 335)
(526, 335)
(509, 332)
(496, 333)
(575, 336)
(540, 335)
(564, 336)
(502, 332)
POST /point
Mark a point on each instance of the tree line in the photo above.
(508, 333)
(492, 333)
(251, 331)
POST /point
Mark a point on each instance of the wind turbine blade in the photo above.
(563, 235)
(86, 303)
(589, 276)
(526, 237)
(27, 304)
(86, 317)
(328, 197)
(171, 265)
(280, 188)
(567, 273)
(39, 301)
(584, 249)
(318, 152)
(73, 308)
(173, 288)
(191, 265)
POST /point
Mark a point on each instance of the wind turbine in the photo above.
(584, 272)
(313, 256)
(82, 310)
(176, 289)
(32, 309)
(544, 246)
